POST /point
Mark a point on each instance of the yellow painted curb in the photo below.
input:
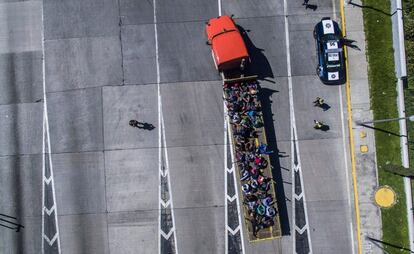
(351, 135)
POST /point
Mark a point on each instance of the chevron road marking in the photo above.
(300, 231)
(47, 180)
(165, 204)
(233, 232)
(231, 199)
(298, 197)
(51, 242)
(46, 136)
(230, 170)
(294, 135)
(163, 173)
(167, 236)
(236, 194)
(49, 211)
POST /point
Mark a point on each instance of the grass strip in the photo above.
(408, 14)
(382, 81)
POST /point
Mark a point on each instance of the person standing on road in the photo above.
(318, 125)
(319, 102)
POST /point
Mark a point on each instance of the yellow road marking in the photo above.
(351, 135)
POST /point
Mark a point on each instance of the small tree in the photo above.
(399, 170)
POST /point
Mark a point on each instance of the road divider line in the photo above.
(46, 135)
(294, 135)
(346, 165)
(43, 177)
(169, 182)
(227, 136)
(226, 171)
(351, 135)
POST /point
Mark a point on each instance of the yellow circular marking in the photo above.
(364, 148)
(385, 197)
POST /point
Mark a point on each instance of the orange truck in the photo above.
(227, 45)
(230, 56)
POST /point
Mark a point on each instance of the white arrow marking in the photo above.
(231, 199)
(300, 231)
(233, 232)
(50, 242)
(296, 168)
(164, 173)
(230, 170)
(298, 197)
(167, 236)
(165, 204)
(49, 211)
(47, 180)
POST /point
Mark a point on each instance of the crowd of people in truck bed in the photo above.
(246, 119)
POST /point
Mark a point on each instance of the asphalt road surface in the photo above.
(81, 180)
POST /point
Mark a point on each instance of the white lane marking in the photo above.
(231, 170)
(165, 204)
(161, 174)
(49, 211)
(305, 208)
(231, 199)
(167, 164)
(301, 230)
(43, 185)
(298, 197)
(51, 241)
(226, 171)
(334, 9)
(346, 166)
(352, 237)
(46, 134)
(47, 180)
(233, 232)
(236, 189)
(167, 236)
(219, 8)
(293, 127)
(344, 145)
(162, 143)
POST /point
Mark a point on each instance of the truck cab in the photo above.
(227, 45)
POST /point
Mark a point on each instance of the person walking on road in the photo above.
(140, 125)
(134, 123)
(319, 102)
(318, 125)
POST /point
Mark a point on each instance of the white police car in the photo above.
(329, 46)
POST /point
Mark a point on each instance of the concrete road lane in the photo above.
(20, 127)
(194, 136)
(101, 72)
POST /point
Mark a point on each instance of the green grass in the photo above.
(382, 83)
(408, 7)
